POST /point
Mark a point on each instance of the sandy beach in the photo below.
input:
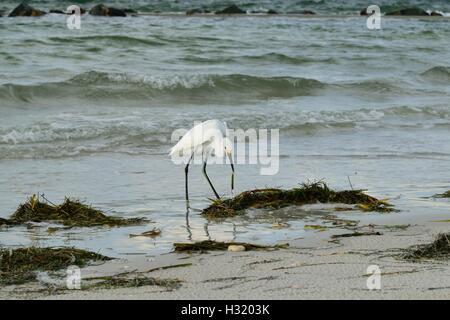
(312, 269)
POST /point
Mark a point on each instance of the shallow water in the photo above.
(90, 114)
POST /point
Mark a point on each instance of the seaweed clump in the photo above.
(442, 195)
(20, 265)
(438, 249)
(356, 234)
(307, 193)
(71, 213)
(209, 245)
(121, 281)
(5, 222)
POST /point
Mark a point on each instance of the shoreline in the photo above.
(256, 15)
(314, 269)
(281, 15)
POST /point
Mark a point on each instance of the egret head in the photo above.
(228, 146)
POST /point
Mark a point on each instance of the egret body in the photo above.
(206, 139)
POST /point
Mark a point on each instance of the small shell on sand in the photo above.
(234, 248)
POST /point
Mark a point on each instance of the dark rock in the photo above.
(113, 12)
(363, 12)
(307, 12)
(82, 11)
(435, 13)
(233, 9)
(56, 11)
(303, 12)
(24, 10)
(129, 11)
(191, 12)
(270, 11)
(408, 12)
(102, 10)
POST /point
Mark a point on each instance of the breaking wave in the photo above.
(99, 85)
(67, 134)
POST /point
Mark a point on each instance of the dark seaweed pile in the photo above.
(438, 249)
(20, 265)
(317, 192)
(71, 213)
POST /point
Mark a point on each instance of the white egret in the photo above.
(206, 139)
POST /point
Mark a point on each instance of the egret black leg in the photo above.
(232, 173)
(209, 181)
(186, 170)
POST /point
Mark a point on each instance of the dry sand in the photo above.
(323, 270)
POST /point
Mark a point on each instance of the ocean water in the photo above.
(89, 114)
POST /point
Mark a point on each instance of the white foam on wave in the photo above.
(160, 83)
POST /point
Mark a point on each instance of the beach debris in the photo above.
(180, 265)
(414, 11)
(71, 213)
(335, 221)
(24, 10)
(438, 249)
(356, 234)
(315, 227)
(265, 261)
(442, 195)
(131, 279)
(393, 273)
(50, 230)
(307, 193)
(396, 226)
(5, 222)
(21, 265)
(127, 281)
(102, 10)
(236, 248)
(135, 279)
(233, 9)
(210, 245)
(280, 225)
(151, 233)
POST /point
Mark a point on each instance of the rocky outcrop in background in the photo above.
(25, 10)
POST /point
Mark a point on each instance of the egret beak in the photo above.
(232, 172)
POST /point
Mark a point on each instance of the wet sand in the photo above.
(315, 269)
